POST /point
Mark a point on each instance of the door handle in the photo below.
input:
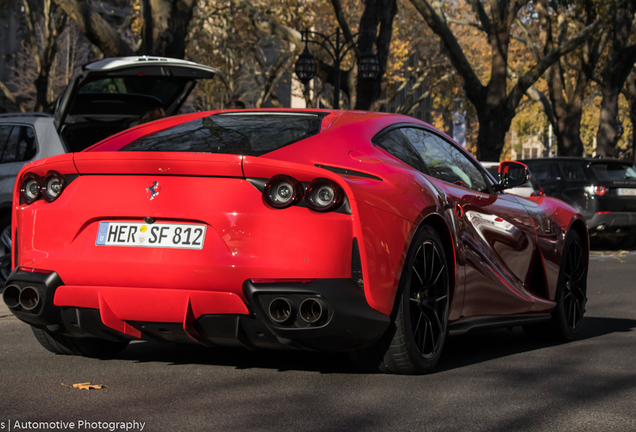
(459, 210)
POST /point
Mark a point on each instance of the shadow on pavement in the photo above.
(471, 348)
(478, 347)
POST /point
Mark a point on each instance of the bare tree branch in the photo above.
(268, 26)
(96, 29)
(533, 74)
(33, 40)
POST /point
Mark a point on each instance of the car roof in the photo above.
(26, 115)
(114, 63)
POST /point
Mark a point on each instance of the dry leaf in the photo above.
(86, 386)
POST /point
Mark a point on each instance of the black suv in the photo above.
(603, 190)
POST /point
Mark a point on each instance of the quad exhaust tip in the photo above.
(312, 310)
(11, 296)
(28, 297)
(280, 310)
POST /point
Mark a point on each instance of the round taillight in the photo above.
(600, 190)
(30, 188)
(53, 185)
(282, 191)
(323, 195)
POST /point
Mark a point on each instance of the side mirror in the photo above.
(512, 174)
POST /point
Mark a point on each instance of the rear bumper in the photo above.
(346, 320)
(611, 224)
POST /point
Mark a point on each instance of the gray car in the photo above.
(23, 138)
(103, 98)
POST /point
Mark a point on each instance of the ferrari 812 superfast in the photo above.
(320, 230)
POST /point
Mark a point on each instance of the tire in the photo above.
(5, 248)
(570, 298)
(413, 344)
(88, 347)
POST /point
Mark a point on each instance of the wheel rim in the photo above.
(428, 299)
(574, 286)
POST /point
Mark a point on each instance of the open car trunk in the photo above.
(110, 95)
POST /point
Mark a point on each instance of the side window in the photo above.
(26, 144)
(397, 144)
(5, 132)
(445, 161)
(573, 171)
(17, 144)
(544, 171)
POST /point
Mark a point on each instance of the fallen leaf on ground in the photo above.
(85, 386)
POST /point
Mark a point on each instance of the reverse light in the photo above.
(30, 188)
(323, 195)
(53, 185)
(282, 191)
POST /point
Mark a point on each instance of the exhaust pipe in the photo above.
(280, 310)
(11, 296)
(29, 298)
(312, 310)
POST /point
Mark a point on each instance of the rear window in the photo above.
(164, 89)
(613, 171)
(573, 171)
(543, 171)
(232, 133)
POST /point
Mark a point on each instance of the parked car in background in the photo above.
(530, 188)
(24, 137)
(103, 98)
(603, 190)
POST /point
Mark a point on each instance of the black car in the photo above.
(603, 190)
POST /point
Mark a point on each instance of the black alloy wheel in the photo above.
(428, 299)
(570, 297)
(414, 341)
(573, 285)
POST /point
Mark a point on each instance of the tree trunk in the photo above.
(617, 67)
(493, 126)
(382, 13)
(166, 25)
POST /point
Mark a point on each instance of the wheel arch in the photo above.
(435, 220)
(578, 226)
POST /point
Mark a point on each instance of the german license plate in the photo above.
(158, 235)
(627, 191)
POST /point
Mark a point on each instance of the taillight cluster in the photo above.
(600, 190)
(48, 187)
(597, 190)
(321, 195)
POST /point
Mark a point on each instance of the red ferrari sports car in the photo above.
(310, 229)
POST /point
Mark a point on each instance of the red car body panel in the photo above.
(497, 243)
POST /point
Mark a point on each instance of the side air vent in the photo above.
(356, 265)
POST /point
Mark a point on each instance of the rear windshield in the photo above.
(232, 133)
(613, 171)
(164, 89)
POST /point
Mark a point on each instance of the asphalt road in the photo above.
(488, 381)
